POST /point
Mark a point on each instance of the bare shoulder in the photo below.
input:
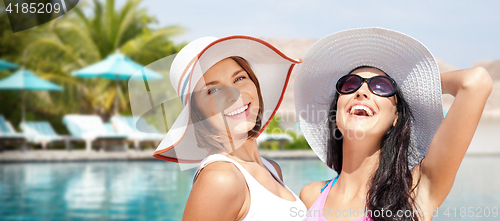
(277, 167)
(220, 174)
(218, 193)
(311, 192)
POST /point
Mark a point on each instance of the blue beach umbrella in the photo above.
(117, 67)
(26, 80)
(5, 65)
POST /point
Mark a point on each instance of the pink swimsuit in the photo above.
(318, 210)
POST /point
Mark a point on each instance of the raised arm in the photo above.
(217, 194)
(471, 88)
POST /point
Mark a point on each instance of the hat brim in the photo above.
(271, 67)
(402, 57)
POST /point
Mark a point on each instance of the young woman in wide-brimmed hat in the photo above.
(369, 103)
(230, 88)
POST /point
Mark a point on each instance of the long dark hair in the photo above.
(391, 185)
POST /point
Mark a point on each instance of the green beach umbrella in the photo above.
(25, 80)
(117, 67)
(5, 65)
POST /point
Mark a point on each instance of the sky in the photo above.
(458, 32)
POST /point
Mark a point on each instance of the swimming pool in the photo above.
(157, 190)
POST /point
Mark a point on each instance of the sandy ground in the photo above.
(13, 156)
(16, 156)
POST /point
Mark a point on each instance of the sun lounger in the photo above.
(9, 136)
(109, 128)
(41, 132)
(146, 133)
(91, 129)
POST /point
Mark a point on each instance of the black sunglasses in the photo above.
(380, 85)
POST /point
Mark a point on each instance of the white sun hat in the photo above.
(271, 67)
(400, 56)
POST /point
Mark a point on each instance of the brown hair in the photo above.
(205, 136)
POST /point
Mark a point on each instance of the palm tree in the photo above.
(77, 40)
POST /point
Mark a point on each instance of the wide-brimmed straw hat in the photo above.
(271, 67)
(400, 56)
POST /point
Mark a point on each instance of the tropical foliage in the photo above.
(298, 143)
(77, 40)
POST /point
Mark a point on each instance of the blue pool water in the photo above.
(157, 190)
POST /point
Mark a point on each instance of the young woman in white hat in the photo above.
(230, 88)
(369, 104)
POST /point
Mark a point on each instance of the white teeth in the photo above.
(361, 107)
(239, 111)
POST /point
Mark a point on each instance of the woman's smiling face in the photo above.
(363, 113)
(225, 90)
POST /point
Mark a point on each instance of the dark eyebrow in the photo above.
(216, 82)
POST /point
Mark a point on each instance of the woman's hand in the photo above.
(471, 88)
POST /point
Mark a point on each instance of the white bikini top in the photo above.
(264, 205)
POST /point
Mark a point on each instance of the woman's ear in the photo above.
(395, 120)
